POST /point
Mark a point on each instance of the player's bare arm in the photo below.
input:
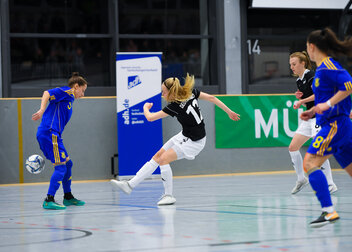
(233, 116)
(45, 98)
(150, 115)
(308, 114)
(303, 101)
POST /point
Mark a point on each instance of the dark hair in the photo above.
(75, 78)
(327, 42)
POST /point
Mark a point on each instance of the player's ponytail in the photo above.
(327, 42)
(177, 92)
(76, 78)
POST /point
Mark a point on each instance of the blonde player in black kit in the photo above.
(301, 67)
(183, 104)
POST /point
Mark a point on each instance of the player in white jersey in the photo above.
(183, 104)
(301, 67)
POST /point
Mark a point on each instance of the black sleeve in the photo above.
(310, 76)
(170, 109)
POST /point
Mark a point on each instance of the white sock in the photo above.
(329, 209)
(147, 169)
(297, 163)
(166, 176)
(327, 171)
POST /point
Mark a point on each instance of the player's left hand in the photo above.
(234, 116)
(297, 104)
(306, 115)
(321, 107)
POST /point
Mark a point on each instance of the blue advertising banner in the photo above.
(138, 80)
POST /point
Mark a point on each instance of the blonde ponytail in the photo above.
(178, 93)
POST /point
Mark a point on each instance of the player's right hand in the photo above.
(37, 115)
(148, 105)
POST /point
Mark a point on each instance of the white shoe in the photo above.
(122, 185)
(166, 199)
(299, 185)
(332, 188)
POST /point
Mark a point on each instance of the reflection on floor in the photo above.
(229, 213)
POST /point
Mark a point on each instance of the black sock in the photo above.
(49, 198)
(68, 196)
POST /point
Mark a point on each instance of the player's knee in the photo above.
(163, 160)
(308, 164)
(69, 164)
(292, 148)
(158, 155)
(61, 169)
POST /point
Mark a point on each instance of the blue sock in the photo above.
(56, 179)
(319, 184)
(66, 182)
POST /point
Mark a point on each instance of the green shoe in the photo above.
(52, 205)
(73, 201)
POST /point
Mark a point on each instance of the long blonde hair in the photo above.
(177, 92)
(302, 56)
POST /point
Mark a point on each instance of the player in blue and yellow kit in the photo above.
(55, 118)
(332, 87)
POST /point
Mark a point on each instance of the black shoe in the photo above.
(325, 218)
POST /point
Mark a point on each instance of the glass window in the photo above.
(274, 34)
(53, 16)
(159, 17)
(180, 56)
(46, 61)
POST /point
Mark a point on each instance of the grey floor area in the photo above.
(225, 213)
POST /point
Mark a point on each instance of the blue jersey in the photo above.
(330, 78)
(59, 111)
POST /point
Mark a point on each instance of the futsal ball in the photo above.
(35, 164)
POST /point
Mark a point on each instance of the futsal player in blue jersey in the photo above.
(332, 87)
(54, 119)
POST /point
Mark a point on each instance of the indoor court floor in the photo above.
(212, 213)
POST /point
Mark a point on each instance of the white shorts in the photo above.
(307, 128)
(184, 146)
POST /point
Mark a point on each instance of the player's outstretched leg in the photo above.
(166, 176)
(146, 171)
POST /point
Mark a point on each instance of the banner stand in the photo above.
(138, 80)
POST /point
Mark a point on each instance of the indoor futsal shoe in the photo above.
(122, 185)
(325, 218)
(52, 205)
(300, 185)
(73, 201)
(166, 199)
(332, 188)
